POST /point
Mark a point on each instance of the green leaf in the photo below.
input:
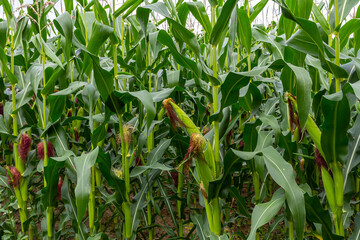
(263, 213)
(158, 7)
(303, 93)
(51, 172)
(272, 121)
(105, 167)
(146, 99)
(139, 199)
(82, 189)
(347, 29)
(57, 106)
(3, 33)
(105, 85)
(50, 84)
(241, 203)
(47, 49)
(257, 9)
(101, 13)
(153, 159)
(316, 214)
(142, 15)
(334, 140)
(125, 6)
(320, 18)
(4, 61)
(202, 229)
(182, 34)
(64, 25)
(198, 10)
(7, 9)
(69, 5)
(345, 7)
(167, 201)
(70, 206)
(24, 96)
(232, 162)
(244, 29)
(231, 87)
(156, 154)
(312, 32)
(301, 9)
(284, 175)
(166, 40)
(353, 157)
(357, 34)
(222, 22)
(356, 232)
(73, 87)
(100, 33)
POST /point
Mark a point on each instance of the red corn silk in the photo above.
(292, 116)
(60, 183)
(76, 134)
(24, 147)
(40, 150)
(241, 144)
(170, 112)
(208, 110)
(320, 162)
(14, 177)
(229, 135)
(175, 177)
(138, 161)
(1, 108)
(302, 164)
(205, 130)
(195, 150)
(69, 114)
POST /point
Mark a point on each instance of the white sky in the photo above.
(270, 12)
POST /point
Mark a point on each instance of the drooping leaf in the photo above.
(284, 175)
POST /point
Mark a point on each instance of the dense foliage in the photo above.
(112, 127)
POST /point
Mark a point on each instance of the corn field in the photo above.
(180, 119)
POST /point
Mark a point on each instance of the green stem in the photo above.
(150, 140)
(18, 162)
(49, 213)
(337, 43)
(126, 204)
(291, 230)
(178, 202)
(209, 214)
(216, 216)
(216, 210)
(92, 202)
(356, 191)
(256, 182)
(339, 196)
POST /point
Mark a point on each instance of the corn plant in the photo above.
(119, 121)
